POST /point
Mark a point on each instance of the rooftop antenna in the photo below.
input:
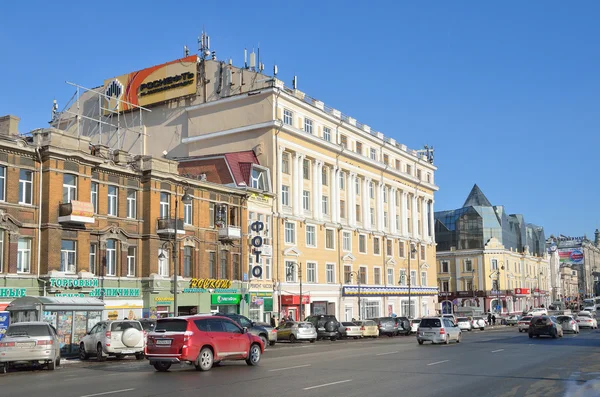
(54, 109)
(258, 57)
(295, 82)
(253, 61)
(275, 70)
(204, 45)
(186, 51)
(261, 67)
(245, 58)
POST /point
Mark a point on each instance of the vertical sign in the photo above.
(257, 242)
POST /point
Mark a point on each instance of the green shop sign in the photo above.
(13, 292)
(225, 299)
(74, 282)
(111, 292)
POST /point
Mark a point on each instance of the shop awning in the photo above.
(3, 306)
(55, 303)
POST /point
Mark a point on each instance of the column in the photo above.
(300, 183)
(351, 198)
(320, 190)
(316, 199)
(280, 150)
(414, 216)
(404, 213)
(392, 214)
(366, 204)
(431, 222)
(379, 210)
(424, 223)
(335, 194)
(296, 206)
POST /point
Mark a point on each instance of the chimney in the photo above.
(597, 238)
(9, 125)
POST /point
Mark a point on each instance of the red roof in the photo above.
(240, 164)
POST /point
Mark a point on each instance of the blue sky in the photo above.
(506, 92)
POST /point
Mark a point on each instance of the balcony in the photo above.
(230, 233)
(166, 226)
(78, 212)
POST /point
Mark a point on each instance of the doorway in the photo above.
(348, 313)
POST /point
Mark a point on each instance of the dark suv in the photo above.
(327, 326)
(255, 329)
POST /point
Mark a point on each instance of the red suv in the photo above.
(202, 341)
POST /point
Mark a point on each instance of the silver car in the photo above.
(438, 330)
(568, 323)
(30, 343)
(294, 331)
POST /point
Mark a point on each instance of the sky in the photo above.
(506, 92)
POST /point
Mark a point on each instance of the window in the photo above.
(373, 154)
(325, 205)
(1, 251)
(224, 259)
(285, 195)
(469, 285)
(495, 265)
(111, 257)
(413, 278)
(68, 256)
(311, 272)
(306, 169)
(324, 175)
(112, 200)
(330, 273)
(362, 244)
(165, 205)
(371, 190)
(285, 163)
(131, 204)
(211, 214)
(418, 174)
(344, 141)
(2, 183)
(423, 253)
(376, 246)
(390, 277)
(342, 209)
(308, 126)
(385, 219)
(131, 261)
(428, 177)
(468, 265)
(25, 187)
(237, 270)
(290, 233)
(357, 186)
(306, 200)
(288, 117)
(359, 148)
(69, 188)
(187, 213)
(397, 222)
(93, 258)
(346, 241)
(377, 276)
(291, 275)
(413, 251)
(408, 169)
(258, 179)
(327, 134)
(445, 286)
(398, 164)
(311, 238)
(342, 181)
(401, 253)
(362, 274)
(372, 216)
(94, 196)
(389, 248)
(386, 159)
(358, 213)
(212, 264)
(267, 263)
(24, 255)
(347, 274)
(329, 239)
(403, 277)
(385, 194)
(445, 266)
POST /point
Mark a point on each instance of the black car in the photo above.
(327, 326)
(252, 327)
(544, 325)
(403, 325)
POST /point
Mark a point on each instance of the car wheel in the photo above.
(481, 329)
(292, 338)
(272, 343)
(554, 334)
(333, 338)
(312, 340)
(162, 366)
(530, 336)
(119, 356)
(254, 355)
(520, 330)
(82, 353)
(4, 368)
(139, 356)
(99, 355)
(458, 339)
(420, 342)
(390, 335)
(51, 365)
(264, 339)
(204, 362)
(447, 341)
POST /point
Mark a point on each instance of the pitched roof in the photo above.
(476, 198)
(240, 164)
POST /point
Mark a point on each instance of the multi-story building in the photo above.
(79, 220)
(348, 202)
(490, 261)
(569, 280)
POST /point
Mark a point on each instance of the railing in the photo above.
(167, 226)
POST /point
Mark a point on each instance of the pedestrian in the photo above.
(493, 319)
(489, 318)
(273, 322)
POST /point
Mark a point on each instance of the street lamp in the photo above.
(411, 250)
(185, 199)
(500, 267)
(288, 274)
(356, 274)
(539, 291)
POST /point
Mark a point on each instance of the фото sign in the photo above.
(571, 256)
(257, 244)
(151, 85)
(225, 299)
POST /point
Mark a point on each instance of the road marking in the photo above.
(496, 351)
(385, 354)
(326, 384)
(107, 392)
(283, 369)
(438, 362)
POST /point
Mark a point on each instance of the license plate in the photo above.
(25, 345)
(164, 342)
(126, 351)
(428, 333)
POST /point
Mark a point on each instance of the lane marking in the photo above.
(385, 354)
(283, 369)
(326, 384)
(496, 351)
(107, 392)
(438, 362)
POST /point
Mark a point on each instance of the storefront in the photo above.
(261, 301)
(389, 301)
(291, 306)
(72, 317)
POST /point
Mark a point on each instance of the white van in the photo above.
(538, 311)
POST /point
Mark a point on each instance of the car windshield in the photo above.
(148, 325)
(415, 321)
(526, 319)
(122, 326)
(585, 315)
(462, 319)
(28, 330)
(347, 324)
(563, 318)
(171, 325)
(431, 323)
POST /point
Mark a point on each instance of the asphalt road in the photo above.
(499, 363)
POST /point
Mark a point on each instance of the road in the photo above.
(499, 363)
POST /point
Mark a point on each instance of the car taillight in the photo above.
(442, 331)
(45, 342)
(7, 344)
(362, 328)
(273, 330)
(573, 322)
(107, 334)
(347, 329)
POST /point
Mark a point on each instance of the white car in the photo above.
(538, 311)
(523, 323)
(414, 325)
(113, 338)
(350, 330)
(586, 320)
(464, 324)
(478, 323)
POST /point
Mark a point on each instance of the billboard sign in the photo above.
(571, 256)
(151, 85)
(4, 323)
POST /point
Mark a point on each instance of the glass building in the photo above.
(473, 225)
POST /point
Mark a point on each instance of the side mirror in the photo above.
(245, 330)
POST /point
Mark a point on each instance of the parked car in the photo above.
(148, 325)
(297, 331)
(30, 343)
(414, 325)
(523, 323)
(586, 320)
(512, 320)
(438, 330)
(387, 326)
(201, 340)
(464, 324)
(450, 317)
(116, 338)
(403, 325)
(368, 328)
(265, 331)
(545, 325)
(350, 330)
(478, 322)
(568, 323)
(538, 311)
(326, 324)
